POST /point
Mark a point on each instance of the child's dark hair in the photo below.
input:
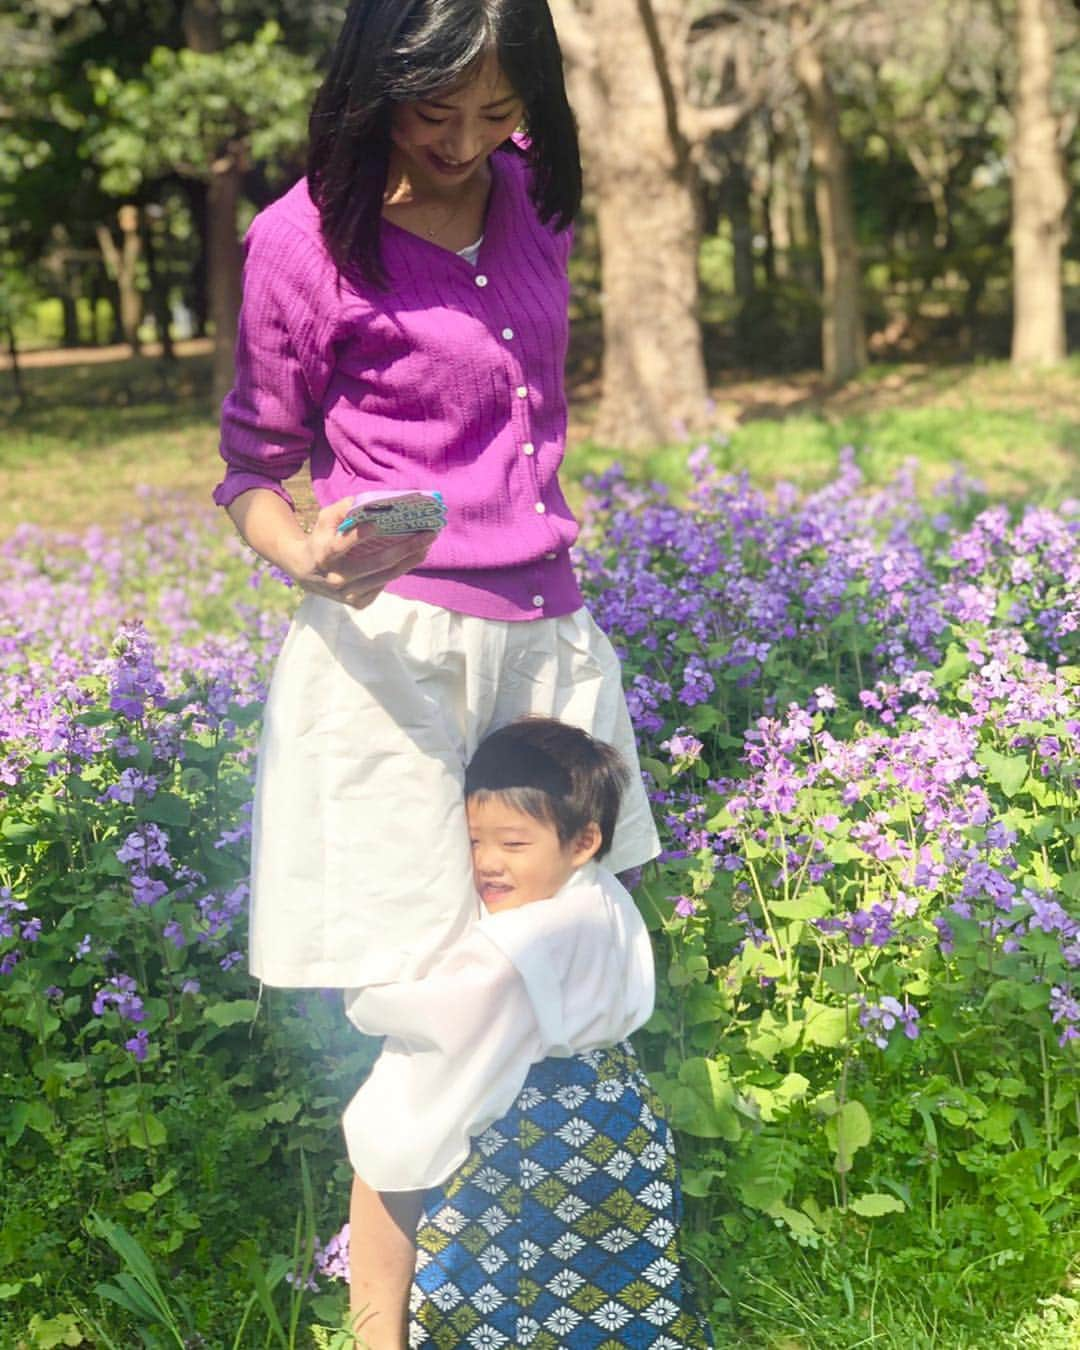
(397, 51)
(553, 772)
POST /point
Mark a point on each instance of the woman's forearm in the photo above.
(270, 526)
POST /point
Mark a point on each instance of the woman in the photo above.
(404, 326)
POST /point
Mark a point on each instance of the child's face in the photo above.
(518, 859)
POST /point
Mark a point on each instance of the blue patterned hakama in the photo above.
(561, 1228)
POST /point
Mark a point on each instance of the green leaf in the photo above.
(812, 904)
(284, 1110)
(1009, 772)
(697, 1181)
(230, 1013)
(39, 1117)
(876, 1203)
(140, 1201)
(800, 1224)
(16, 1122)
(146, 1131)
(1070, 885)
(48, 1333)
(660, 771)
(841, 979)
(956, 665)
(165, 808)
(704, 1101)
(17, 832)
(824, 1025)
(848, 1131)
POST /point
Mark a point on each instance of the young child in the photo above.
(509, 1091)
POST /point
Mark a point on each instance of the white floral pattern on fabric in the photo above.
(581, 1252)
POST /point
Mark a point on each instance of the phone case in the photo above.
(394, 513)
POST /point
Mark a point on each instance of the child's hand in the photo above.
(355, 566)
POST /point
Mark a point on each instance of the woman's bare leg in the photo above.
(382, 1257)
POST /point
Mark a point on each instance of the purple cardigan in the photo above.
(451, 378)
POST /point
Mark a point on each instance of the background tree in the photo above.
(642, 137)
(843, 336)
(1039, 192)
(206, 115)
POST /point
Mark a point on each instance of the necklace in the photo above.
(432, 230)
(432, 219)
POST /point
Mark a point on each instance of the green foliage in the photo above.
(189, 110)
(869, 925)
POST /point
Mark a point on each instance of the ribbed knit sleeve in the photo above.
(284, 357)
(449, 377)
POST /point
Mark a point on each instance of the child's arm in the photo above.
(460, 1042)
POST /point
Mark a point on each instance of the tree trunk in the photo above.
(742, 227)
(1039, 195)
(224, 261)
(70, 309)
(843, 337)
(224, 269)
(16, 371)
(654, 387)
(159, 290)
(196, 293)
(122, 265)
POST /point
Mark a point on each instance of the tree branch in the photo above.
(674, 101)
(701, 123)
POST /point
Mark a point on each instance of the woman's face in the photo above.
(440, 142)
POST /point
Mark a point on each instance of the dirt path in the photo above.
(47, 358)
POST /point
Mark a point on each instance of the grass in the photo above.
(798, 1311)
(92, 432)
(1019, 434)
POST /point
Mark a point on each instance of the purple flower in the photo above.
(8, 907)
(131, 783)
(946, 937)
(120, 993)
(139, 1045)
(685, 908)
(146, 890)
(332, 1261)
(683, 746)
(147, 846)
(878, 1019)
(134, 676)
(174, 933)
(1065, 1012)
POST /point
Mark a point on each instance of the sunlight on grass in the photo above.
(91, 433)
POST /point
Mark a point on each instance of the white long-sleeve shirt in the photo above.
(554, 978)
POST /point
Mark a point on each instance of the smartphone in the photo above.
(396, 513)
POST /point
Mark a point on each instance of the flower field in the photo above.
(860, 717)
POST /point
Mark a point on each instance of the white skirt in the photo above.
(361, 866)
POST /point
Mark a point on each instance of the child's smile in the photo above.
(518, 859)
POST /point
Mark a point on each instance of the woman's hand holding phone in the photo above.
(353, 564)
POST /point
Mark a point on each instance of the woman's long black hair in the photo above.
(397, 51)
